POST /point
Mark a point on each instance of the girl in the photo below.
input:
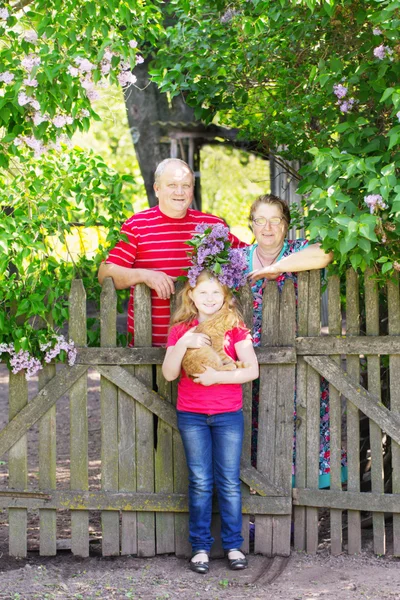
(210, 418)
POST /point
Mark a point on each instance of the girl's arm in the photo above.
(309, 258)
(172, 364)
(245, 353)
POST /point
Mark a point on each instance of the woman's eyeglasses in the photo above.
(274, 221)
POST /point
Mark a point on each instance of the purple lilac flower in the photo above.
(382, 52)
(398, 115)
(376, 31)
(339, 90)
(374, 201)
(347, 105)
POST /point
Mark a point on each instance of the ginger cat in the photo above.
(196, 359)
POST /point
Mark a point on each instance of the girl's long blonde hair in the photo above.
(187, 311)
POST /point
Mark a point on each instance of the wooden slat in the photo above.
(109, 421)
(78, 423)
(394, 366)
(354, 501)
(284, 420)
(155, 356)
(353, 417)
(127, 465)
(313, 411)
(17, 465)
(181, 522)
(47, 468)
(38, 406)
(144, 425)
(246, 300)
(267, 414)
(335, 416)
(164, 472)
(348, 345)
(128, 501)
(301, 410)
(374, 386)
(359, 396)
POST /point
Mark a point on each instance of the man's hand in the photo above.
(162, 283)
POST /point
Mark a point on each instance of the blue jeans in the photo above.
(213, 446)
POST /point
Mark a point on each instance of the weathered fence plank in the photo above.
(181, 522)
(313, 411)
(47, 469)
(347, 345)
(365, 501)
(164, 472)
(79, 479)
(109, 422)
(353, 417)
(127, 464)
(301, 407)
(374, 386)
(246, 302)
(155, 356)
(144, 425)
(394, 366)
(132, 501)
(17, 466)
(267, 410)
(335, 415)
(284, 419)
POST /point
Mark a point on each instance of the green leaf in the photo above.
(387, 267)
(386, 94)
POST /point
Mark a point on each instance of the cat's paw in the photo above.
(242, 365)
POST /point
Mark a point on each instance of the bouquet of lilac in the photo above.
(211, 250)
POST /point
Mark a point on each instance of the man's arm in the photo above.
(125, 277)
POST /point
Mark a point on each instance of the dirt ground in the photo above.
(300, 577)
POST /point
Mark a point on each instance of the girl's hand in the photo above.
(194, 340)
(269, 273)
(209, 377)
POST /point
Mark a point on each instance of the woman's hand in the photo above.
(270, 273)
(194, 340)
(209, 377)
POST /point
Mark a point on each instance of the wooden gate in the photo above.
(143, 472)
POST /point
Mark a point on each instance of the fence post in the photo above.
(109, 420)
(284, 418)
(246, 301)
(267, 413)
(18, 470)
(79, 479)
(313, 411)
(335, 415)
(301, 411)
(374, 386)
(353, 416)
(394, 365)
(144, 423)
(47, 467)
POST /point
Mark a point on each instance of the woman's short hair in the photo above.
(271, 199)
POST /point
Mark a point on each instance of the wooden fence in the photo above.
(142, 498)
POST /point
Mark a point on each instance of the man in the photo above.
(156, 253)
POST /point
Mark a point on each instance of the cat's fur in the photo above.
(196, 359)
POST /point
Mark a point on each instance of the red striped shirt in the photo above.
(157, 242)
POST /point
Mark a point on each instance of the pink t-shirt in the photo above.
(213, 399)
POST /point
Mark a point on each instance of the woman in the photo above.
(273, 257)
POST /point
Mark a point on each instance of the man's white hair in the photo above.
(164, 164)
